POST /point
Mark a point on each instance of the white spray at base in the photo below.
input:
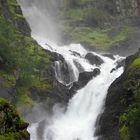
(79, 120)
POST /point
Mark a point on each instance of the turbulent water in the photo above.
(78, 122)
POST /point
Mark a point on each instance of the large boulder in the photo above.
(94, 59)
(83, 79)
(109, 55)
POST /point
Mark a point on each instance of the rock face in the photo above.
(94, 59)
(83, 79)
(11, 126)
(13, 13)
(120, 97)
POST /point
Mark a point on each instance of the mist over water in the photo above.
(42, 17)
(78, 120)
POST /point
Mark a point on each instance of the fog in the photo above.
(42, 18)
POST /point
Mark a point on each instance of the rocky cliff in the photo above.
(27, 72)
(120, 119)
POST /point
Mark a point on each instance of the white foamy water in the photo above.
(79, 120)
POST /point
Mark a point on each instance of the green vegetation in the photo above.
(85, 22)
(136, 63)
(23, 63)
(130, 120)
(11, 126)
(99, 38)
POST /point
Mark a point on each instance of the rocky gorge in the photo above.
(113, 28)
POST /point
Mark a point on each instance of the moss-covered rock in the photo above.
(11, 126)
(122, 112)
(12, 12)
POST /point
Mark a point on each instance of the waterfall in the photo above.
(40, 14)
(78, 122)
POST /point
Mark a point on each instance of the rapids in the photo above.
(78, 122)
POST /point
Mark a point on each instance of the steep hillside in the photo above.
(121, 116)
(108, 25)
(21, 58)
(27, 71)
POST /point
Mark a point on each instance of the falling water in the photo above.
(78, 122)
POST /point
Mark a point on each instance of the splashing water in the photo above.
(78, 122)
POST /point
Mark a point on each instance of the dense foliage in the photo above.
(23, 63)
(130, 120)
(11, 126)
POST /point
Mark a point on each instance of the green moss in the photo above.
(11, 136)
(136, 63)
(19, 16)
(130, 120)
(11, 126)
(14, 136)
(23, 98)
(124, 132)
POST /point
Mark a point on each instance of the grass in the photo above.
(99, 38)
(136, 63)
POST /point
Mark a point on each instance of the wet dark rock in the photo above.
(83, 79)
(94, 59)
(111, 56)
(54, 56)
(78, 65)
(120, 63)
(75, 53)
(118, 100)
(109, 121)
(23, 26)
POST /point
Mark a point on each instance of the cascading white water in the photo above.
(78, 122)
